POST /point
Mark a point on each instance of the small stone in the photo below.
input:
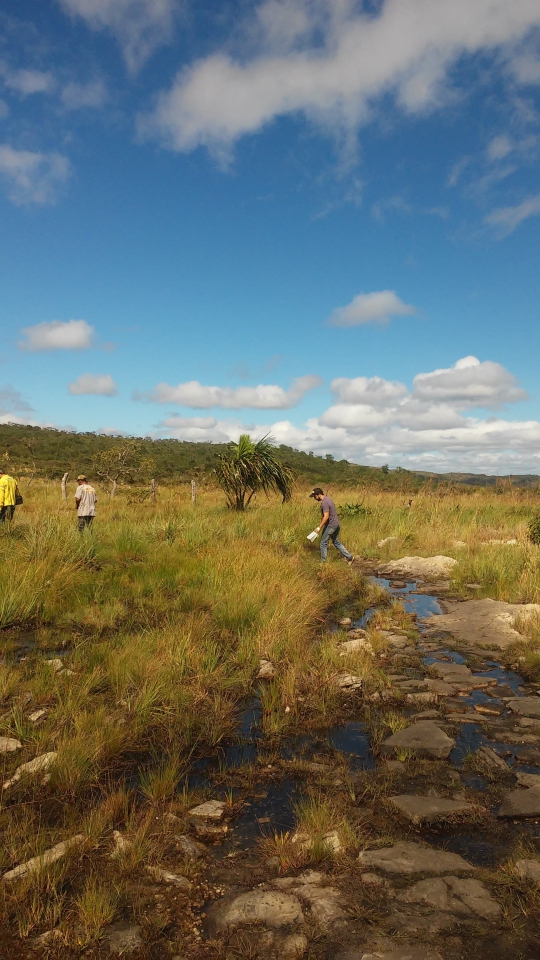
(398, 584)
(409, 858)
(121, 845)
(357, 634)
(491, 760)
(373, 879)
(37, 715)
(419, 809)
(165, 876)
(528, 870)
(211, 810)
(209, 831)
(353, 646)
(345, 622)
(473, 586)
(123, 938)
(46, 938)
(274, 909)
(9, 745)
(521, 803)
(267, 670)
(66, 672)
(45, 859)
(419, 699)
(190, 849)
(38, 765)
(423, 739)
(382, 543)
(348, 682)
(56, 664)
(332, 842)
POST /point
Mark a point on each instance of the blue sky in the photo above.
(311, 217)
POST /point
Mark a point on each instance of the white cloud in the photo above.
(99, 384)
(75, 96)
(32, 177)
(262, 397)
(506, 219)
(332, 62)
(499, 147)
(27, 82)
(469, 383)
(111, 432)
(376, 307)
(58, 335)
(140, 26)
(374, 391)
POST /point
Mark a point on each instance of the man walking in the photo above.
(9, 494)
(85, 501)
(329, 526)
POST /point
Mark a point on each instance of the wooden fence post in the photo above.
(64, 479)
(153, 490)
(193, 491)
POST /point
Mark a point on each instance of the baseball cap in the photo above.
(317, 492)
(81, 477)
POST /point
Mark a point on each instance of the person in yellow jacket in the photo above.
(9, 495)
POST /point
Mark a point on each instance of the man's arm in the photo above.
(324, 521)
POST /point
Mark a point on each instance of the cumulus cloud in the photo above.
(99, 384)
(140, 26)
(75, 96)
(261, 397)
(58, 335)
(374, 391)
(32, 177)
(377, 421)
(376, 307)
(469, 383)
(332, 63)
(506, 219)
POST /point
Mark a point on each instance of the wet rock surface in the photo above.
(484, 622)
(423, 739)
(408, 857)
(419, 809)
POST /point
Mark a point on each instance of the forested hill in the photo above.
(49, 453)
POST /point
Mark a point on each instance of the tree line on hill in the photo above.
(47, 453)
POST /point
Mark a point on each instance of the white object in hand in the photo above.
(312, 536)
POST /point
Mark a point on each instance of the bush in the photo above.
(534, 529)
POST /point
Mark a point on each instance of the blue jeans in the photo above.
(331, 533)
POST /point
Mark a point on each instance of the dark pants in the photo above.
(331, 533)
(7, 512)
(83, 522)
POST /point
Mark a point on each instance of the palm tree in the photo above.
(249, 467)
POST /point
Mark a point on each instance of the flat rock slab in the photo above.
(349, 682)
(35, 864)
(528, 870)
(123, 938)
(190, 849)
(271, 908)
(445, 670)
(521, 803)
(453, 895)
(527, 779)
(423, 739)
(408, 858)
(9, 744)
(420, 809)
(211, 810)
(525, 706)
(484, 622)
(410, 951)
(492, 761)
(355, 645)
(165, 876)
(422, 568)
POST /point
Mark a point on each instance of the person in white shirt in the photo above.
(85, 501)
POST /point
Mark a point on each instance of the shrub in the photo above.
(534, 529)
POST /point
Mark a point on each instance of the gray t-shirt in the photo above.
(328, 506)
(86, 494)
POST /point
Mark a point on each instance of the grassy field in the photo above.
(160, 616)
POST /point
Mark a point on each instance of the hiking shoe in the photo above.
(350, 562)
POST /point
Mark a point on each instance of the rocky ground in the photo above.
(436, 850)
